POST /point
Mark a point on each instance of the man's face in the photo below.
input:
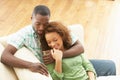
(39, 22)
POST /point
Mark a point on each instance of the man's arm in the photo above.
(75, 50)
(8, 58)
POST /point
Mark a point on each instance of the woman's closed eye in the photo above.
(49, 42)
(55, 40)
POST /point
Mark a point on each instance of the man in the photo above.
(29, 37)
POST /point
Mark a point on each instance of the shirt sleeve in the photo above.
(57, 76)
(87, 64)
(17, 39)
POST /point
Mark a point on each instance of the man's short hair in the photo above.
(42, 10)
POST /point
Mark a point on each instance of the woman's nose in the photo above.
(52, 45)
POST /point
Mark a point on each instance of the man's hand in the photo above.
(39, 67)
(48, 58)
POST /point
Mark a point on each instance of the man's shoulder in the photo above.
(26, 29)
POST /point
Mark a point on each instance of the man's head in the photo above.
(40, 18)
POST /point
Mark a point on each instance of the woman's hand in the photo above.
(91, 75)
(57, 54)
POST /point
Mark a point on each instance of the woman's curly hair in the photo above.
(61, 30)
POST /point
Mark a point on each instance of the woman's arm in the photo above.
(88, 67)
(56, 71)
(57, 55)
(91, 75)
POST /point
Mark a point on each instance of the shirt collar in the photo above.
(34, 33)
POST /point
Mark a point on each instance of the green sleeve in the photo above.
(57, 76)
(54, 74)
(87, 64)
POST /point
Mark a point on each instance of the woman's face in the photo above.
(54, 40)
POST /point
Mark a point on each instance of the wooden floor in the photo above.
(100, 19)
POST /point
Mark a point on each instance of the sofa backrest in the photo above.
(78, 31)
(3, 40)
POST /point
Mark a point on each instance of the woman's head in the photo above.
(57, 36)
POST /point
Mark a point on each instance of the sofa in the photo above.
(9, 73)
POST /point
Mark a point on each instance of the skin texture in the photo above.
(54, 41)
(39, 22)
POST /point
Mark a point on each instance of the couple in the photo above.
(57, 38)
(30, 37)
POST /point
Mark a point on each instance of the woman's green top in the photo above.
(74, 68)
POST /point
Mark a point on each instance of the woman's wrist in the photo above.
(58, 65)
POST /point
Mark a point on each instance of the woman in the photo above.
(57, 38)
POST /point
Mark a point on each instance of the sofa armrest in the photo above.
(3, 40)
(25, 74)
(5, 71)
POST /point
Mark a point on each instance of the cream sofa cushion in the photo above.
(78, 31)
(109, 77)
(3, 40)
(25, 74)
(6, 73)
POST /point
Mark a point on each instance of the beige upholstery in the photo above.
(108, 78)
(6, 73)
(3, 40)
(25, 74)
(78, 31)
